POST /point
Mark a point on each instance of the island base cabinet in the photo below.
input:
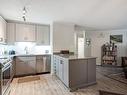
(91, 71)
(61, 69)
(77, 73)
(82, 73)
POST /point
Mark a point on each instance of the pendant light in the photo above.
(24, 14)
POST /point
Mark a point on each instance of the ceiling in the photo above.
(93, 14)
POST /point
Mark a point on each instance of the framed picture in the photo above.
(116, 39)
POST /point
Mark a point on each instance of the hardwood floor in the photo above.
(50, 85)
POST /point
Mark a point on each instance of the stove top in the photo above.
(4, 60)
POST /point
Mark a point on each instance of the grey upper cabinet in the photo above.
(20, 32)
(2, 31)
(11, 33)
(43, 35)
(25, 33)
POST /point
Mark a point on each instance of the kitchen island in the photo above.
(75, 71)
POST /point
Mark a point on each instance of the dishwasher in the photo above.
(43, 64)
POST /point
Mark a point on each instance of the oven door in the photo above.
(6, 76)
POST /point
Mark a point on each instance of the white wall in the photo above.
(98, 38)
(80, 32)
(63, 37)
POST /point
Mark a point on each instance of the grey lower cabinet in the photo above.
(43, 63)
(91, 71)
(13, 67)
(27, 65)
(75, 73)
(78, 75)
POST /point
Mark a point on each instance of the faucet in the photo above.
(26, 50)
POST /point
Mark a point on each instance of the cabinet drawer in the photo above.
(39, 57)
(24, 59)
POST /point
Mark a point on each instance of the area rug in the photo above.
(118, 77)
(115, 73)
(108, 93)
(28, 79)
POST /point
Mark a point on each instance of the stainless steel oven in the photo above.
(6, 76)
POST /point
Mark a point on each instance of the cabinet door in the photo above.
(56, 65)
(31, 67)
(13, 68)
(61, 69)
(91, 70)
(43, 35)
(11, 33)
(39, 64)
(43, 64)
(2, 30)
(25, 65)
(77, 72)
(25, 33)
(21, 68)
(25, 68)
(66, 72)
(48, 63)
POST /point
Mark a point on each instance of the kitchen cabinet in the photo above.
(25, 32)
(75, 73)
(13, 67)
(43, 35)
(91, 70)
(2, 31)
(20, 32)
(78, 74)
(11, 33)
(56, 65)
(43, 63)
(61, 71)
(25, 65)
(61, 68)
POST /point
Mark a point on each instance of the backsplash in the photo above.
(22, 47)
(3, 48)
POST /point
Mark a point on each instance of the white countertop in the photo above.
(16, 55)
(75, 57)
